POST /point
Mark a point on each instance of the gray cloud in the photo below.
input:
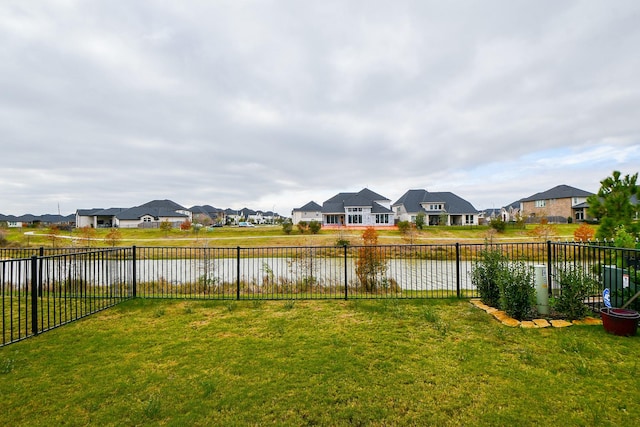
(268, 104)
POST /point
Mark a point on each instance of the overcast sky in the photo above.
(271, 104)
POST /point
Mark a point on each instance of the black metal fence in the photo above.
(45, 290)
(606, 266)
(390, 271)
(42, 292)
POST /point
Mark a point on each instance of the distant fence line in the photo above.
(43, 288)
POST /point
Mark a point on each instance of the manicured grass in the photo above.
(273, 236)
(364, 362)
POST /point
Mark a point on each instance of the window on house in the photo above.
(332, 219)
(541, 203)
(468, 219)
(382, 219)
(354, 219)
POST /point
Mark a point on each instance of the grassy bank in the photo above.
(316, 363)
(270, 236)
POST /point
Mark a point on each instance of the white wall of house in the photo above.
(401, 214)
(361, 216)
(135, 223)
(85, 221)
(306, 216)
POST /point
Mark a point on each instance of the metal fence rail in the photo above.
(43, 292)
(388, 271)
(52, 287)
(609, 267)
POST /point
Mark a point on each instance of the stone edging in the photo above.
(503, 318)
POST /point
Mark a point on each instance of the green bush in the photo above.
(498, 224)
(287, 227)
(314, 227)
(485, 274)
(404, 227)
(575, 286)
(517, 292)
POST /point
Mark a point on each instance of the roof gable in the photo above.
(362, 198)
(413, 201)
(558, 192)
(309, 207)
(163, 204)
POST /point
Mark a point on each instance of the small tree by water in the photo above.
(371, 265)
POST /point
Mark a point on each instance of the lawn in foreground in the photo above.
(316, 363)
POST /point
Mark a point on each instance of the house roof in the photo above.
(140, 211)
(46, 218)
(309, 207)
(88, 212)
(453, 204)
(163, 204)
(246, 212)
(363, 198)
(110, 212)
(558, 192)
(206, 210)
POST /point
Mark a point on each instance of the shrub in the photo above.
(314, 227)
(584, 233)
(485, 273)
(342, 242)
(302, 226)
(575, 286)
(517, 292)
(371, 265)
(498, 224)
(404, 227)
(287, 227)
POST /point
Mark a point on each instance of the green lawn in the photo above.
(270, 236)
(418, 362)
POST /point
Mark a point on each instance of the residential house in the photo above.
(307, 213)
(215, 215)
(36, 220)
(97, 217)
(149, 215)
(362, 209)
(556, 204)
(511, 213)
(152, 214)
(249, 215)
(12, 221)
(488, 215)
(439, 208)
(269, 217)
(232, 216)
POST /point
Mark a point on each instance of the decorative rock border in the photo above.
(504, 318)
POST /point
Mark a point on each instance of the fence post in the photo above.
(346, 295)
(238, 273)
(134, 282)
(34, 295)
(40, 271)
(458, 269)
(549, 285)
